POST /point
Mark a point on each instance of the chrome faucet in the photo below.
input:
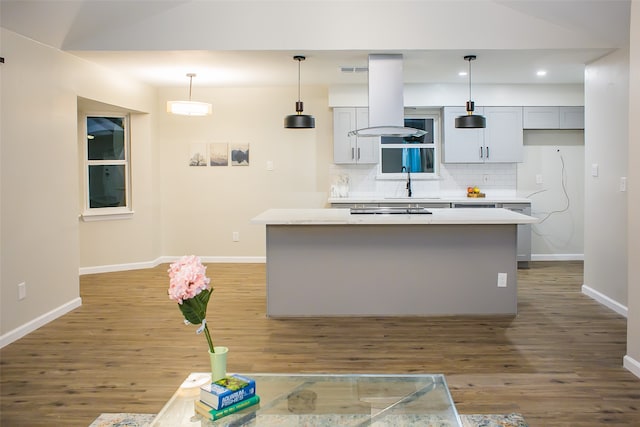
(408, 170)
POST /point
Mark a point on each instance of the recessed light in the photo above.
(462, 73)
(541, 73)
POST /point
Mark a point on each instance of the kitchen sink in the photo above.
(390, 211)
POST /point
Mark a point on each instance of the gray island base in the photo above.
(375, 266)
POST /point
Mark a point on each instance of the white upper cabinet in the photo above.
(351, 149)
(571, 117)
(503, 138)
(461, 145)
(500, 142)
(541, 117)
(553, 117)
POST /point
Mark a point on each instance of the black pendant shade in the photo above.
(470, 121)
(299, 120)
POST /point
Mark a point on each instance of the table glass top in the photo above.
(326, 400)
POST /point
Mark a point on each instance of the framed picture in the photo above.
(198, 154)
(240, 154)
(218, 154)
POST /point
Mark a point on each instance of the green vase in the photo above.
(218, 363)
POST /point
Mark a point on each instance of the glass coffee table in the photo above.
(325, 400)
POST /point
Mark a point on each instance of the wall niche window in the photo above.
(418, 155)
(107, 179)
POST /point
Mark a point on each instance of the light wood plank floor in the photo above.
(559, 362)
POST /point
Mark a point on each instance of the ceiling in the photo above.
(149, 56)
(260, 68)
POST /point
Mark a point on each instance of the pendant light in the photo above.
(470, 121)
(299, 120)
(189, 108)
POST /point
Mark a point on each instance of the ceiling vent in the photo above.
(354, 69)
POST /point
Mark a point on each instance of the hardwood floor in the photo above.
(559, 362)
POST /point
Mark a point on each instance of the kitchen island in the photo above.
(330, 262)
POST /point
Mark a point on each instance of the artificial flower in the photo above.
(190, 288)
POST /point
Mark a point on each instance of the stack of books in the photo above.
(226, 396)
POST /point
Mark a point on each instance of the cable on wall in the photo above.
(564, 191)
(566, 195)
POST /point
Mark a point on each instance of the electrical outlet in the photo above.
(539, 179)
(594, 169)
(235, 236)
(22, 290)
(269, 165)
(502, 280)
(485, 179)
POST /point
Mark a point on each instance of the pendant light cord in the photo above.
(191, 76)
(470, 59)
(299, 107)
(299, 61)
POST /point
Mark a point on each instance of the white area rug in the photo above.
(143, 420)
(123, 420)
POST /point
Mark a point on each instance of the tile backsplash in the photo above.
(492, 178)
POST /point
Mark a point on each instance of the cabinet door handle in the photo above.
(487, 152)
(353, 155)
(481, 153)
(358, 153)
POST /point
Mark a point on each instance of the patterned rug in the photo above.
(477, 420)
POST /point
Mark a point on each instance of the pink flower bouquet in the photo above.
(189, 287)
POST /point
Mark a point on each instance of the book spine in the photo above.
(234, 397)
(213, 414)
(229, 397)
(219, 402)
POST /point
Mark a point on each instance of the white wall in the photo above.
(203, 206)
(606, 144)
(558, 157)
(425, 95)
(35, 238)
(116, 235)
(39, 178)
(632, 360)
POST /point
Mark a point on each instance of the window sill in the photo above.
(106, 216)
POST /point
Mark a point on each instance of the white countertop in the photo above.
(460, 199)
(439, 216)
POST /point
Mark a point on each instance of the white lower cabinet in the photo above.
(500, 142)
(351, 149)
(524, 233)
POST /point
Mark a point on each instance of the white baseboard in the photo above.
(31, 326)
(605, 300)
(167, 259)
(557, 257)
(631, 365)
(119, 267)
(239, 260)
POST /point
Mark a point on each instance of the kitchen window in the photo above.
(107, 180)
(417, 155)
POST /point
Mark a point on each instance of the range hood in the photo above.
(386, 99)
